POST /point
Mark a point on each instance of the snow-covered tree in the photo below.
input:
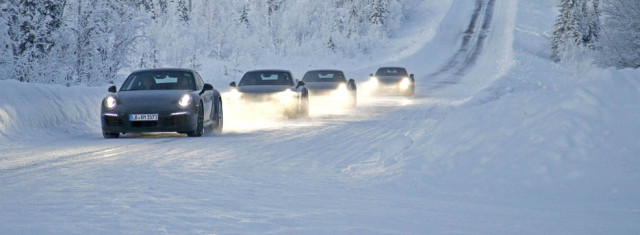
(106, 32)
(577, 27)
(589, 23)
(91, 41)
(30, 27)
(620, 41)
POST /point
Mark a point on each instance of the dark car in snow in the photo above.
(277, 88)
(162, 100)
(394, 80)
(332, 84)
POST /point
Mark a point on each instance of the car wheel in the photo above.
(354, 100)
(110, 135)
(217, 126)
(199, 126)
(304, 107)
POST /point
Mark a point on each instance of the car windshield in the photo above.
(324, 76)
(391, 72)
(159, 80)
(266, 78)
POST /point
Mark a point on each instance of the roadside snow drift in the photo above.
(31, 111)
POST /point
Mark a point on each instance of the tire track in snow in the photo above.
(74, 157)
(472, 45)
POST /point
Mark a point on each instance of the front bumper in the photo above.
(333, 95)
(270, 101)
(393, 87)
(168, 121)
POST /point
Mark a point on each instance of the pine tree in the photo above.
(184, 9)
(32, 25)
(589, 22)
(577, 28)
(379, 11)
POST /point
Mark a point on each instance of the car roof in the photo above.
(326, 70)
(270, 70)
(165, 70)
(392, 68)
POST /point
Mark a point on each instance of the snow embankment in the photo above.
(30, 110)
(560, 140)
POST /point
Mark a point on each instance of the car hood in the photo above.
(320, 86)
(263, 89)
(150, 97)
(391, 77)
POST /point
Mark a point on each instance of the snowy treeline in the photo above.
(608, 30)
(90, 41)
(620, 41)
(69, 42)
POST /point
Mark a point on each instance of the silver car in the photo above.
(332, 84)
(274, 87)
(394, 80)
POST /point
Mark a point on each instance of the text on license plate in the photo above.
(143, 117)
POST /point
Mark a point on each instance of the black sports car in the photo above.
(273, 87)
(394, 80)
(332, 84)
(162, 100)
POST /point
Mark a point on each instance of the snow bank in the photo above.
(563, 139)
(30, 110)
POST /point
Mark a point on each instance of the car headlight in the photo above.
(110, 102)
(341, 92)
(374, 81)
(234, 94)
(287, 96)
(405, 83)
(342, 88)
(185, 101)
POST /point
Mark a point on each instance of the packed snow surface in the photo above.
(498, 140)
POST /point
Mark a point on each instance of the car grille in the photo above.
(113, 121)
(144, 124)
(175, 121)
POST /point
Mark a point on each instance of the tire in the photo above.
(354, 100)
(199, 126)
(304, 107)
(216, 127)
(110, 135)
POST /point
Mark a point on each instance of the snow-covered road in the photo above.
(492, 152)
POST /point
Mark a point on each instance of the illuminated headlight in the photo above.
(342, 90)
(374, 81)
(234, 94)
(405, 83)
(287, 96)
(185, 101)
(110, 102)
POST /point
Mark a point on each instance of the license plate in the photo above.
(143, 117)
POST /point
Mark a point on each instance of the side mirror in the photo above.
(351, 81)
(371, 75)
(233, 84)
(113, 89)
(300, 83)
(207, 87)
(411, 76)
